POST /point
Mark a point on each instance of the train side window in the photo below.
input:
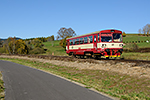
(98, 37)
(73, 41)
(70, 42)
(77, 41)
(67, 43)
(81, 40)
(90, 39)
(85, 39)
(95, 38)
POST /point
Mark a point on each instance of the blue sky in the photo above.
(42, 18)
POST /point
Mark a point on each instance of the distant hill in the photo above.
(17, 38)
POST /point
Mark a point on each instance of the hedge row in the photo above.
(136, 41)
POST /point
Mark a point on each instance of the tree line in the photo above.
(145, 31)
(26, 46)
(43, 39)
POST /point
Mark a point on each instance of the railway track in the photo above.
(142, 63)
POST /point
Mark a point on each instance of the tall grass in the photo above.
(2, 95)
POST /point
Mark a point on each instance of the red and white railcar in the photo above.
(106, 43)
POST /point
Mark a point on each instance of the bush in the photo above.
(37, 50)
(2, 50)
(131, 47)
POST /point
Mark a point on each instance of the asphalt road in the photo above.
(25, 83)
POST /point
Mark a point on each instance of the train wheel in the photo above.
(73, 55)
(82, 57)
(107, 57)
(97, 57)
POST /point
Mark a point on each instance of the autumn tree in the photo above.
(9, 45)
(13, 46)
(50, 38)
(13, 40)
(124, 34)
(63, 42)
(21, 47)
(140, 31)
(146, 29)
(64, 32)
(0, 43)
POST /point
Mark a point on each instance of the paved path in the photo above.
(25, 83)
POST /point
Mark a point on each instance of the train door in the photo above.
(95, 42)
(67, 45)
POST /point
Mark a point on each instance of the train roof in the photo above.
(95, 33)
(84, 34)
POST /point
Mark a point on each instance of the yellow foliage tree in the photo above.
(124, 34)
(63, 42)
(21, 47)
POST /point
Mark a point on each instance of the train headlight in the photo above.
(103, 45)
(120, 45)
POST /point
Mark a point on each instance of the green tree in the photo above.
(37, 47)
(37, 43)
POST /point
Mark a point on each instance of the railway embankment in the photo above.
(138, 68)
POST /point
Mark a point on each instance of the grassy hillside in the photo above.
(138, 38)
(54, 47)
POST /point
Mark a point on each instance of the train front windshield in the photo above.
(106, 39)
(117, 37)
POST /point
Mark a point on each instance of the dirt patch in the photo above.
(122, 67)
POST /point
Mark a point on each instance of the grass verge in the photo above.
(1, 87)
(136, 55)
(114, 84)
